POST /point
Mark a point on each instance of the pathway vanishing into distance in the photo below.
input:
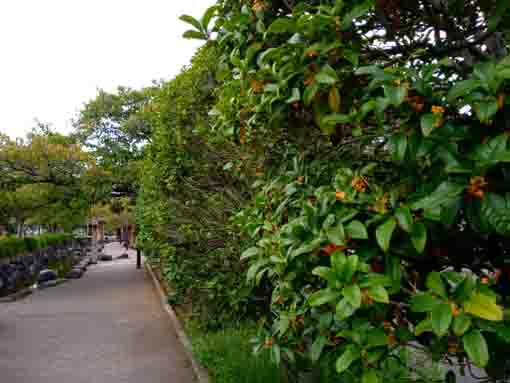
(108, 327)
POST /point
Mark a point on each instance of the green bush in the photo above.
(11, 247)
(187, 198)
(374, 148)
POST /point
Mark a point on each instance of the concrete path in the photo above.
(107, 327)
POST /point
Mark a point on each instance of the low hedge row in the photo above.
(11, 246)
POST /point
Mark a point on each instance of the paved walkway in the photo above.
(107, 327)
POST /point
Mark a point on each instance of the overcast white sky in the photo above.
(54, 54)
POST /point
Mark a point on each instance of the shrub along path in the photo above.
(107, 327)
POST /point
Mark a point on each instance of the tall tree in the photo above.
(116, 126)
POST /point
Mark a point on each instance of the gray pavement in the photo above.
(108, 327)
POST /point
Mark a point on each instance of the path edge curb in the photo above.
(199, 372)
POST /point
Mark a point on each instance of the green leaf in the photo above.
(419, 237)
(194, 35)
(336, 118)
(423, 303)
(275, 354)
(366, 108)
(476, 348)
(393, 269)
(352, 56)
(423, 326)
(317, 347)
(351, 266)
(465, 289)
(491, 152)
(322, 297)
(378, 294)
(374, 279)
(352, 294)
(441, 319)
(336, 235)
(338, 262)
(483, 307)
(295, 97)
(369, 69)
(253, 269)
(399, 146)
(350, 355)
(376, 338)
(251, 252)
(435, 284)
(327, 76)
(486, 110)
(322, 272)
(310, 92)
(344, 310)
(208, 15)
(404, 219)
(429, 122)
(355, 12)
(445, 194)
(283, 325)
(373, 356)
(306, 248)
(370, 376)
(253, 49)
(356, 230)
(282, 25)
(323, 78)
(462, 89)
(395, 95)
(192, 21)
(461, 324)
(384, 233)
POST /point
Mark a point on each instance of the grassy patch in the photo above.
(228, 356)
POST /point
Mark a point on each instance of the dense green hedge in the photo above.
(11, 246)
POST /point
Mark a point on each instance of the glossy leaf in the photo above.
(322, 297)
(249, 253)
(344, 310)
(378, 294)
(282, 25)
(445, 194)
(486, 110)
(419, 237)
(384, 233)
(423, 303)
(435, 284)
(461, 324)
(441, 318)
(317, 347)
(336, 234)
(483, 307)
(192, 21)
(350, 355)
(310, 92)
(476, 348)
(356, 230)
(370, 376)
(423, 326)
(352, 295)
(404, 219)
